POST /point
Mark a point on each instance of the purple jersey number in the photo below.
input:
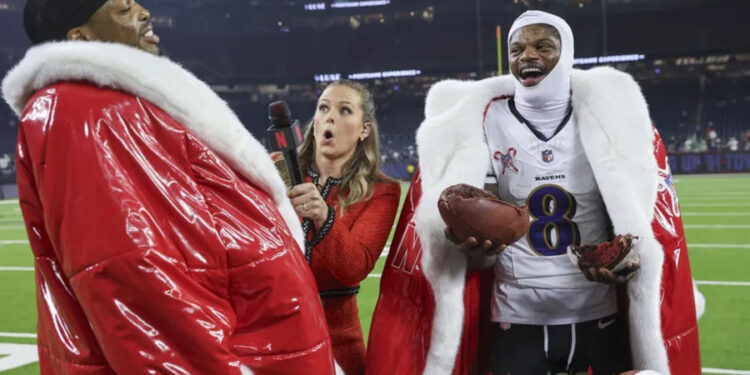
(552, 228)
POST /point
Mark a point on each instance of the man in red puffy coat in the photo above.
(163, 238)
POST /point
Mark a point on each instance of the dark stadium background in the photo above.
(692, 59)
(695, 72)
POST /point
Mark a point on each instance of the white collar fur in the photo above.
(617, 137)
(167, 85)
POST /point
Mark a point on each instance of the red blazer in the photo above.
(151, 253)
(348, 252)
(343, 257)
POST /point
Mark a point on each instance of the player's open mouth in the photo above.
(327, 137)
(150, 36)
(531, 75)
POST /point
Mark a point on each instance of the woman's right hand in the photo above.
(479, 255)
(308, 203)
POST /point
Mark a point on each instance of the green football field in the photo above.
(716, 213)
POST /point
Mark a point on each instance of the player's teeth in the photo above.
(149, 33)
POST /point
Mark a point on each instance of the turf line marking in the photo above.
(8, 202)
(719, 245)
(714, 204)
(14, 242)
(374, 275)
(11, 227)
(716, 214)
(724, 283)
(16, 269)
(711, 226)
(18, 335)
(714, 198)
(723, 371)
(17, 355)
(694, 194)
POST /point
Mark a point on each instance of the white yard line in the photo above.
(716, 226)
(17, 355)
(723, 371)
(14, 242)
(16, 269)
(714, 204)
(724, 283)
(718, 246)
(9, 202)
(11, 227)
(18, 335)
(743, 197)
(726, 195)
(716, 214)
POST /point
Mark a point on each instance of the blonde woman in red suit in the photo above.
(347, 205)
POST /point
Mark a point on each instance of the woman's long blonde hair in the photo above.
(362, 170)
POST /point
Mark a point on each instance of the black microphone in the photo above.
(285, 135)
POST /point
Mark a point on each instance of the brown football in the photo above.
(472, 212)
(604, 255)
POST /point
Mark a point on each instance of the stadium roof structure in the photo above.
(295, 40)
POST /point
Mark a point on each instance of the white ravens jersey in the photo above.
(535, 281)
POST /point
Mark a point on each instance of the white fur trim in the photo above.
(163, 83)
(618, 141)
(339, 370)
(700, 301)
(617, 137)
(446, 270)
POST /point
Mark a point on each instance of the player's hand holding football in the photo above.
(479, 255)
(480, 223)
(308, 203)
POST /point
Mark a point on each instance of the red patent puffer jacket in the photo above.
(152, 255)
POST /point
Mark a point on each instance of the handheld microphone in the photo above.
(285, 135)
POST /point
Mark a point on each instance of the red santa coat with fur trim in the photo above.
(419, 324)
(162, 235)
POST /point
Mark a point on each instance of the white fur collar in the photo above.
(163, 83)
(616, 132)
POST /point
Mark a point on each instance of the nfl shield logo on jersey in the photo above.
(547, 156)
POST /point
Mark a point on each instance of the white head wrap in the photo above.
(551, 96)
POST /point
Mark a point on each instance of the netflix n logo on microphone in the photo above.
(283, 139)
(285, 135)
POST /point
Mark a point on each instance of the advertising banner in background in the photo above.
(720, 162)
